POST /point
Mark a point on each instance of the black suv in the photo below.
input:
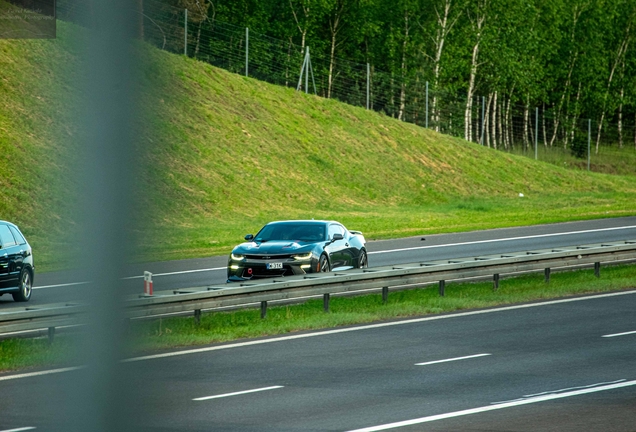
(16, 263)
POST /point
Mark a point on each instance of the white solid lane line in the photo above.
(503, 239)
(494, 407)
(619, 334)
(59, 285)
(19, 429)
(237, 393)
(33, 374)
(452, 359)
(530, 396)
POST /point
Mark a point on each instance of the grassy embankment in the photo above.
(222, 154)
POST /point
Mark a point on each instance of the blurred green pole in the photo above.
(97, 398)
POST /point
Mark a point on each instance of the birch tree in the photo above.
(478, 21)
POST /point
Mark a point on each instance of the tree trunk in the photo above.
(526, 110)
(619, 55)
(440, 39)
(545, 135)
(477, 24)
(575, 117)
(508, 122)
(620, 119)
(494, 121)
(302, 30)
(335, 25)
(487, 120)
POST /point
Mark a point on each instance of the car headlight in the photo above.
(237, 257)
(302, 257)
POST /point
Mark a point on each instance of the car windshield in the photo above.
(296, 232)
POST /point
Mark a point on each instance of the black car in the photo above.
(297, 247)
(16, 263)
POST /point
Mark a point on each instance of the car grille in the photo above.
(268, 257)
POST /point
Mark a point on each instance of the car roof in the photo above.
(318, 222)
(8, 223)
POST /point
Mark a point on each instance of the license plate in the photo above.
(274, 266)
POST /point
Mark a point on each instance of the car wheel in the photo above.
(363, 261)
(25, 287)
(323, 264)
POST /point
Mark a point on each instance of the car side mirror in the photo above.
(249, 237)
(337, 237)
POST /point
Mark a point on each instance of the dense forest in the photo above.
(492, 71)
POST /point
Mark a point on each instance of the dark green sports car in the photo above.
(297, 247)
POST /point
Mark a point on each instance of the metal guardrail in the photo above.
(350, 281)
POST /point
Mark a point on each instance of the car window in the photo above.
(298, 232)
(19, 238)
(6, 238)
(335, 229)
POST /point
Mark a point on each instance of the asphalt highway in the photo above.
(64, 286)
(565, 365)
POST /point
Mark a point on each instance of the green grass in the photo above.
(222, 154)
(216, 327)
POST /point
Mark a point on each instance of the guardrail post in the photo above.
(263, 309)
(325, 302)
(442, 287)
(495, 282)
(385, 294)
(547, 275)
(51, 334)
(197, 317)
(597, 269)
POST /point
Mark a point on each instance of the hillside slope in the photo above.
(223, 154)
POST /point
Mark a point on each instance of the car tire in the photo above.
(363, 261)
(323, 264)
(26, 287)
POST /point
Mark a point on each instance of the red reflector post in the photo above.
(147, 283)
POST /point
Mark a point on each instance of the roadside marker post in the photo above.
(147, 283)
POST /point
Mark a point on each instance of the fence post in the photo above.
(426, 104)
(536, 134)
(589, 141)
(247, 49)
(185, 34)
(481, 139)
(307, 71)
(368, 82)
(302, 70)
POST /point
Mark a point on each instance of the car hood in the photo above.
(273, 247)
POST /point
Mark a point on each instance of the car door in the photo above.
(349, 252)
(8, 276)
(338, 248)
(21, 250)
